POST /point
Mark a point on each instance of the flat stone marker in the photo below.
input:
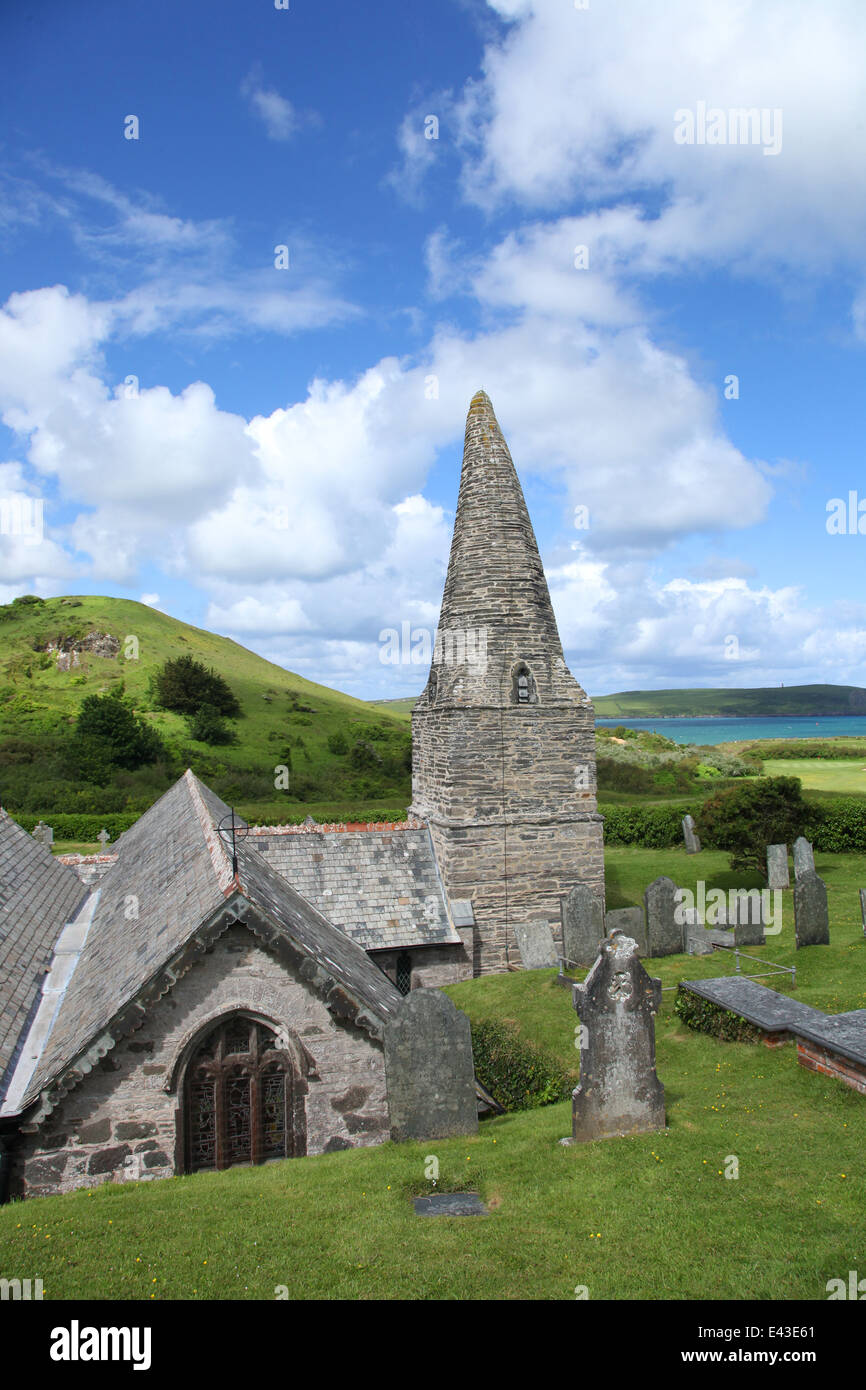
(778, 875)
(863, 908)
(429, 1069)
(537, 947)
(632, 921)
(450, 1204)
(693, 844)
(582, 925)
(804, 859)
(665, 935)
(811, 918)
(619, 1092)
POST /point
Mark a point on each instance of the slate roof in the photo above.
(38, 896)
(174, 868)
(382, 888)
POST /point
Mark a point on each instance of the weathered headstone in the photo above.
(863, 908)
(693, 844)
(665, 935)
(582, 925)
(632, 921)
(619, 1092)
(746, 915)
(103, 837)
(778, 875)
(43, 833)
(429, 1070)
(811, 918)
(537, 947)
(804, 859)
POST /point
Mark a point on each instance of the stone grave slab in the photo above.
(778, 875)
(429, 1070)
(450, 1204)
(811, 916)
(804, 858)
(665, 935)
(582, 925)
(632, 922)
(537, 947)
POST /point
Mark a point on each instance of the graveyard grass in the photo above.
(651, 1216)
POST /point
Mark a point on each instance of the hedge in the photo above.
(517, 1074)
(81, 828)
(839, 825)
(652, 827)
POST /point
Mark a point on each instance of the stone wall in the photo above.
(432, 966)
(121, 1122)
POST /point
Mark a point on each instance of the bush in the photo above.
(652, 827)
(184, 685)
(518, 1075)
(744, 820)
(338, 743)
(207, 725)
(707, 1017)
(838, 825)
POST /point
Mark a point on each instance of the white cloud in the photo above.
(280, 117)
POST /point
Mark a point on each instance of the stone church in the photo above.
(207, 994)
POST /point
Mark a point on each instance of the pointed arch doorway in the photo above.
(243, 1099)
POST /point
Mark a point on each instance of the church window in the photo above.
(523, 686)
(404, 973)
(238, 1098)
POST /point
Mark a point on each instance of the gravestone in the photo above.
(665, 935)
(632, 921)
(811, 918)
(693, 844)
(103, 837)
(619, 1092)
(537, 947)
(804, 859)
(43, 833)
(429, 1071)
(863, 908)
(745, 914)
(777, 867)
(582, 925)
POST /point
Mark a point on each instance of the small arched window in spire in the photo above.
(523, 686)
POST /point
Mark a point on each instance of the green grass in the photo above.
(821, 774)
(647, 1217)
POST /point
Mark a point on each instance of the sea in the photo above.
(719, 730)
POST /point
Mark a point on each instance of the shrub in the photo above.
(108, 735)
(707, 1017)
(653, 827)
(744, 820)
(338, 743)
(518, 1075)
(184, 685)
(207, 725)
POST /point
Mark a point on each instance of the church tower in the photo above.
(503, 737)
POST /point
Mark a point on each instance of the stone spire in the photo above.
(496, 602)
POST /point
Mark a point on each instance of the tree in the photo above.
(746, 819)
(185, 685)
(108, 734)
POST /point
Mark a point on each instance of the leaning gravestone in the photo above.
(582, 925)
(619, 1092)
(630, 920)
(811, 918)
(429, 1069)
(537, 947)
(804, 859)
(777, 867)
(863, 908)
(693, 844)
(665, 935)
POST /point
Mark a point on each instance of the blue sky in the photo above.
(274, 452)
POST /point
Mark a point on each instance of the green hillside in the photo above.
(286, 720)
(803, 701)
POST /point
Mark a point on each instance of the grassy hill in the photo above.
(803, 701)
(286, 720)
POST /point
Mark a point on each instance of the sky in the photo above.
(255, 260)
